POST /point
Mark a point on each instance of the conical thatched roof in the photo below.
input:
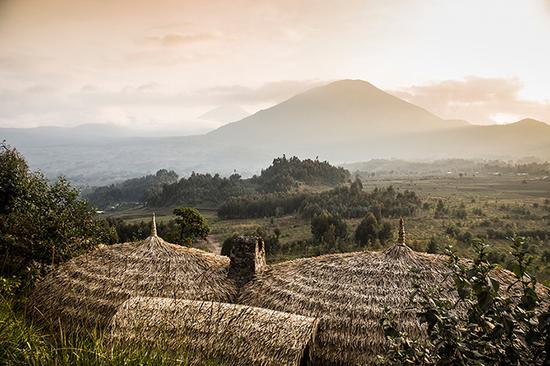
(349, 294)
(228, 334)
(87, 290)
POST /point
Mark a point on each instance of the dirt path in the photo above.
(213, 244)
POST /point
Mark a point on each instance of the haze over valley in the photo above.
(344, 122)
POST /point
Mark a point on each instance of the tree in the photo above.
(386, 232)
(356, 187)
(192, 224)
(367, 231)
(328, 229)
(41, 225)
(433, 246)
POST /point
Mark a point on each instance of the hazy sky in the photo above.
(162, 63)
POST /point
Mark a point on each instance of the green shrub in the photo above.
(494, 326)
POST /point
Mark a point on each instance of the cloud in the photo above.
(145, 105)
(176, 39)
(476, 99)
(274, 92)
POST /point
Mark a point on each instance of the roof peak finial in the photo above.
(401, 239)
(154, 226)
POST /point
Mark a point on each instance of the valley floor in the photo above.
(491, 207)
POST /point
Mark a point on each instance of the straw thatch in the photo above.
(350, 293)
(87, 290)
(228, 334)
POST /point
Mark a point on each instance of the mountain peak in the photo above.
(350, 87)
(337, 111)
(350, 82)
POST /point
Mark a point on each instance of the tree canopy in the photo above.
(192, 225)
(164, 189)
(41, 224)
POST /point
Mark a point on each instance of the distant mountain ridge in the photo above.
(225, 114)
(344, 121)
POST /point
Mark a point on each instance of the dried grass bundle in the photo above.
(86, 291)
(203, 331)
(349, 293)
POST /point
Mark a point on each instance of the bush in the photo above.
(493, 327)
(433, 246)
(40, 224)
(192, 225)
(367, 231)
(328, 229)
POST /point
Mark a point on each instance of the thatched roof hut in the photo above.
(350, 293)
(87, 290)
(228, 334)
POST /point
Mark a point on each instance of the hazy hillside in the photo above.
(345, 121)
(225, 114)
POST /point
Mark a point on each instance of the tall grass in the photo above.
(22, 343)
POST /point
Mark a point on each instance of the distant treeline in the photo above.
(446, 166)
(132, 190)
(201, 189)
(345, 201)
(285, 174)
(164, 188)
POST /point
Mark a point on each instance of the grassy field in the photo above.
(474, 205)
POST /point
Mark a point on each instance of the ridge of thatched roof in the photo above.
(229, 334)
(350, 293)
(87, 290)
(154, 226)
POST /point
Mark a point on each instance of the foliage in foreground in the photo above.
(24, 344)
(41, 224)
(487, 325)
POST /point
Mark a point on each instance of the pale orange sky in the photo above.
(162, 63)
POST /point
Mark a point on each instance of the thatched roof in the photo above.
(349, 293)
(87, 290)
(227, 333)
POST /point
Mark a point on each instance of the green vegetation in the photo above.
(132, 190)
(488, 325)
(285, 174)
(346, 201)
(328, 230)
(164, 190)
(264, 205)
(192, 225)
(443, 210)
(22, 343)
(371, 230)
(456, 167)
(40, 224)
(201, 189)
(43, 224)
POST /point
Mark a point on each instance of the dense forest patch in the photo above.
(164, 189)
